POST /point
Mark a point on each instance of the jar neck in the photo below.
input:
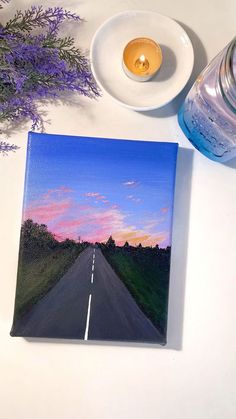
(227, 80)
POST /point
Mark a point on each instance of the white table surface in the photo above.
(194, 376)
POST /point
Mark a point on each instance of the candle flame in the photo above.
(142, 58)
(142, 63)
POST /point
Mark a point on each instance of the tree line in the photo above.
(111, 244)
(37, 240)
(36, 237)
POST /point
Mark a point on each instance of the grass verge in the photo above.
(146, 275)
(38, 275)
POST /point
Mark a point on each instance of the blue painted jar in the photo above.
(208, 115)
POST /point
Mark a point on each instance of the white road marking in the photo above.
(93, 256)
(92, 279)
(88, 317)
(93, 268)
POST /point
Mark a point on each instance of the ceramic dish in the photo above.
(106, 54)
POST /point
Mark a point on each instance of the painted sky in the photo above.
(93, 188)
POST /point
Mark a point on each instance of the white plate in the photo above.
(106, 59)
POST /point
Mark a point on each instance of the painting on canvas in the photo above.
(95, 243)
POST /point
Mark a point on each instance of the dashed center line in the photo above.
(89, 302)
(88, 318)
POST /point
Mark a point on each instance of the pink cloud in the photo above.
(66, 218)
(130, 183)
(52, 205)
(46, 212)
(164, 210)
(92, 194)
(57, 192)
(67, 224)
(99, 225)
(91, 225)
(136, 236)
(152, 224)
(96, 195)
(133, 198)
(65, 189)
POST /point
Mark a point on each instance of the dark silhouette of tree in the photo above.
(126, 244)
(110, 242)
(37, 240)
(34, 234)
(68, 243)
(157, 246)
(140, 246)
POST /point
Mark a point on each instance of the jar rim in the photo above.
(227, 76)
(232, 56)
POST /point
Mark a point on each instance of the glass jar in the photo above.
(208, 115)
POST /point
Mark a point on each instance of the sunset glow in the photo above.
(95, 188)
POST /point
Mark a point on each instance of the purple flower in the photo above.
(5, 148)
(37, 67)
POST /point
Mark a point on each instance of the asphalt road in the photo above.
(89, 302)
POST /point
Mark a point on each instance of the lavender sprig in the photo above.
(3, 1)
(37, 17)
(40, 66)
(5, 148)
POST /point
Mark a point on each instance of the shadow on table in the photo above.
(179, 249)
(168, 66)
(200, 61)
(231, 163)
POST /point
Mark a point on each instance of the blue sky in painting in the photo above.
(91, 188)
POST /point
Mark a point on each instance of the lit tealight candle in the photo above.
(142, 58)
(142, 63)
